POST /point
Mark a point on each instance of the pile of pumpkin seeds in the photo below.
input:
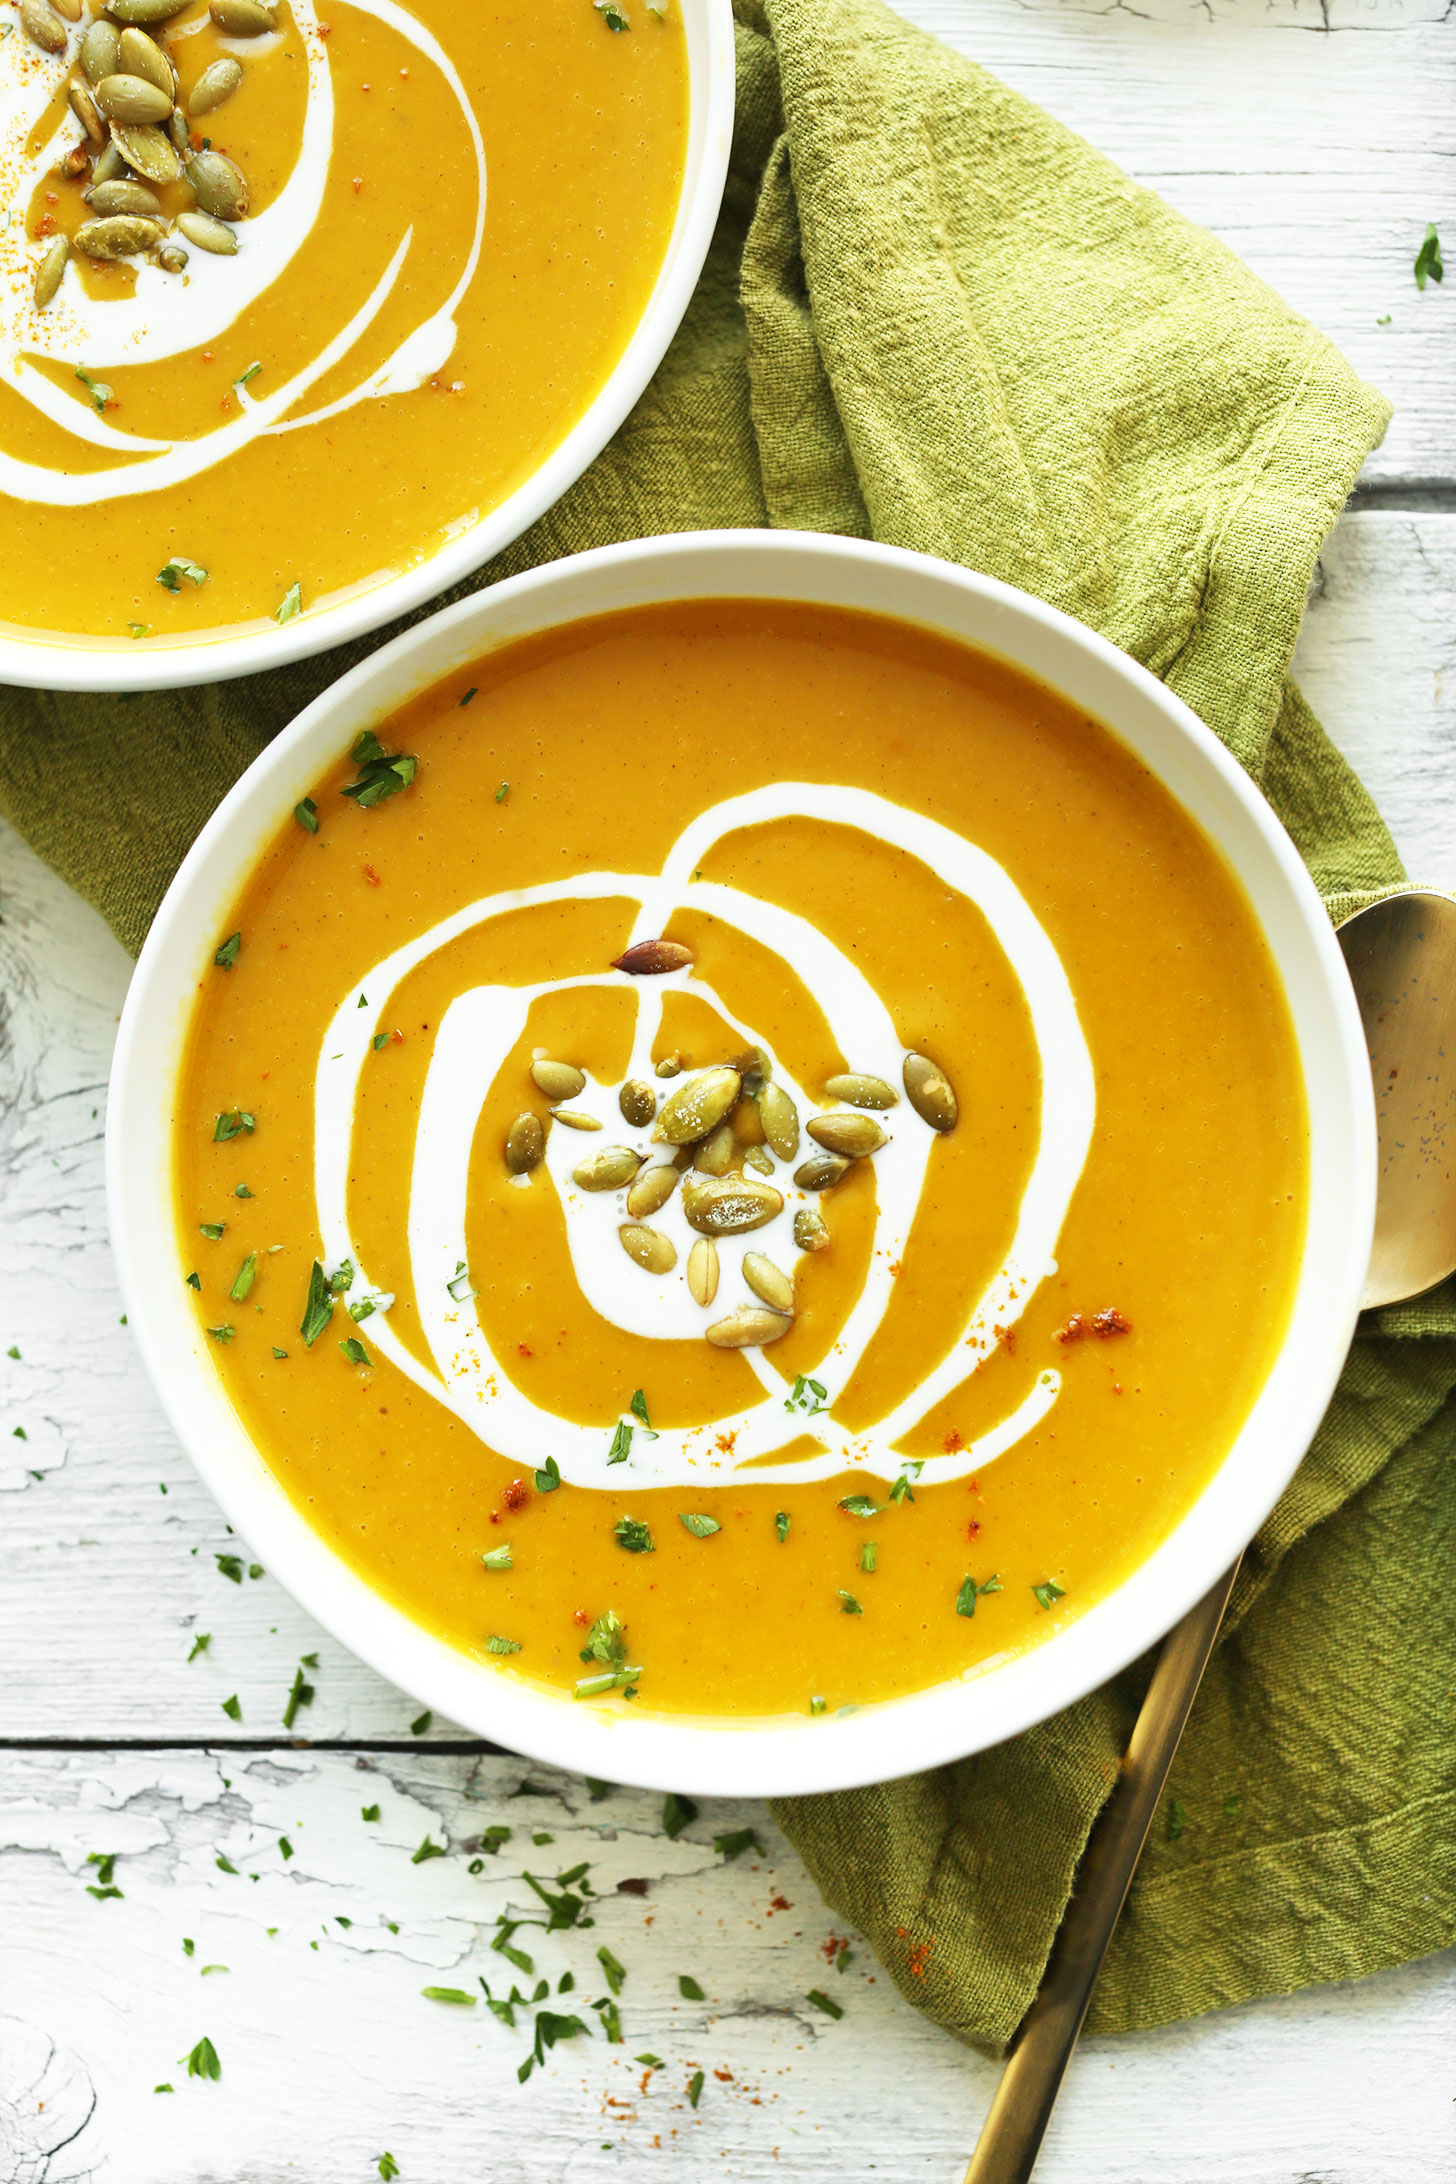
(137, 139)
(716, 1131)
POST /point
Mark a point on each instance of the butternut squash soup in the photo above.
(292, 294)
(741, 1157)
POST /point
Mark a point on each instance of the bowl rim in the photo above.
(1009, 1693)
(66, 661)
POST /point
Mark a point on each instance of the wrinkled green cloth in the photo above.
(934, 317)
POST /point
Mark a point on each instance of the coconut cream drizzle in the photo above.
(482, 1025)
(167, 316)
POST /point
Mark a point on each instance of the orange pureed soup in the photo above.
(354, 281)
(740, 1158)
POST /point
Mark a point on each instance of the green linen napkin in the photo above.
(934, 317)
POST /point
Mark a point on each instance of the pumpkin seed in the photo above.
(122, 237)
(703, 1271)
(768, 1282)
(650, 1190)
(780, 1119)
(756, 1158)
(42, 26)
(243, 18)
(713, 1154)
(930, 1093)
(858, 1091)
(810, 1234)
(651, 958)
(141, 56)
(132, 99)
(638, 1102)
(144, 11)
(682, 1159)
(144, 147)
(109, 198)
(179, 132)
(669, 1066)
(221, 189)
(697, 1106)
(100, 49)
(854, 1135)
(525, 1139)
(208, 234)
(821, 1171)
(50, 272)
(575, 1118)
(558, 1080)
(608, 1170)
(71, 9)
(214, 85)
(748, 1328)
(727, 1205)
(172, 258)
(85, 109)
(110, 166)
(648, 1247)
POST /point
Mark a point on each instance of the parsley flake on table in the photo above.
(455, 1995)
(822, 2001)
(227, 955)
(677, 1813)
(380, 773)
(388, 2167)
(369, 1812)
(1428, 262)
(734, 1844)
(200, 1644)
(689, 1989)
(695, 2088)
(230, 1566)
(615, 1973)
(427, 1851)
(421, 1723)
(233, 1708)
(202, 2062)
(300, 1693)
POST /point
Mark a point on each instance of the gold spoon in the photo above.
(1401, 955)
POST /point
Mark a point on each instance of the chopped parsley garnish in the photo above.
(734, 1844)
(900, 1491)
(277, 1352)
(380, 1039)
(700, 1527)
(427, 1851)
(615, 1973)
(503, 792)
(549, 1479)
(1049, 1593)
(223, 1332)
(142, 629)
(677, 1813)
(848, 1605)
(470, 693)
(212, 1229)
(233, 1708)
(550, 2027)
(610, 2015)
(611, 1679)
(1428, 262)
(300, 1693)
(243, 1279)
(499, 1558)
(100, 395)
(808, 1396)
(455, 1995)
(306, 813)
(621, 1447)
(607, 1639)
(203, 2062)
(171, 574)
(859, 1505)
(227, 955)
(689, 1989)
(251, 373)
(318, 1310)
(235, 1123)
(638, 1408)
(822, 2001)
(290, 604)
(355, 1351)
(460, 1287)
(202, 1641)
(631, 1533)
(230, 1566)
(242, 1191)
(381, 773)
(421, 1723)
(818, 1705)
(342, 1278)
(970, 1591)
(867, 1555)
(612, 16)
(781, 1525)
(194, 1281)
(502, 1645)
(695, 2088)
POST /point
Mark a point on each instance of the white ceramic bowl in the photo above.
(61, 662)
(623, 1745)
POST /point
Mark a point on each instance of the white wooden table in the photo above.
(1317, 137)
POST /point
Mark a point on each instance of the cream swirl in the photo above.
(482, 1026)
(165, 317)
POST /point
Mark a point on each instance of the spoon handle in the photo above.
(1011, 2136)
